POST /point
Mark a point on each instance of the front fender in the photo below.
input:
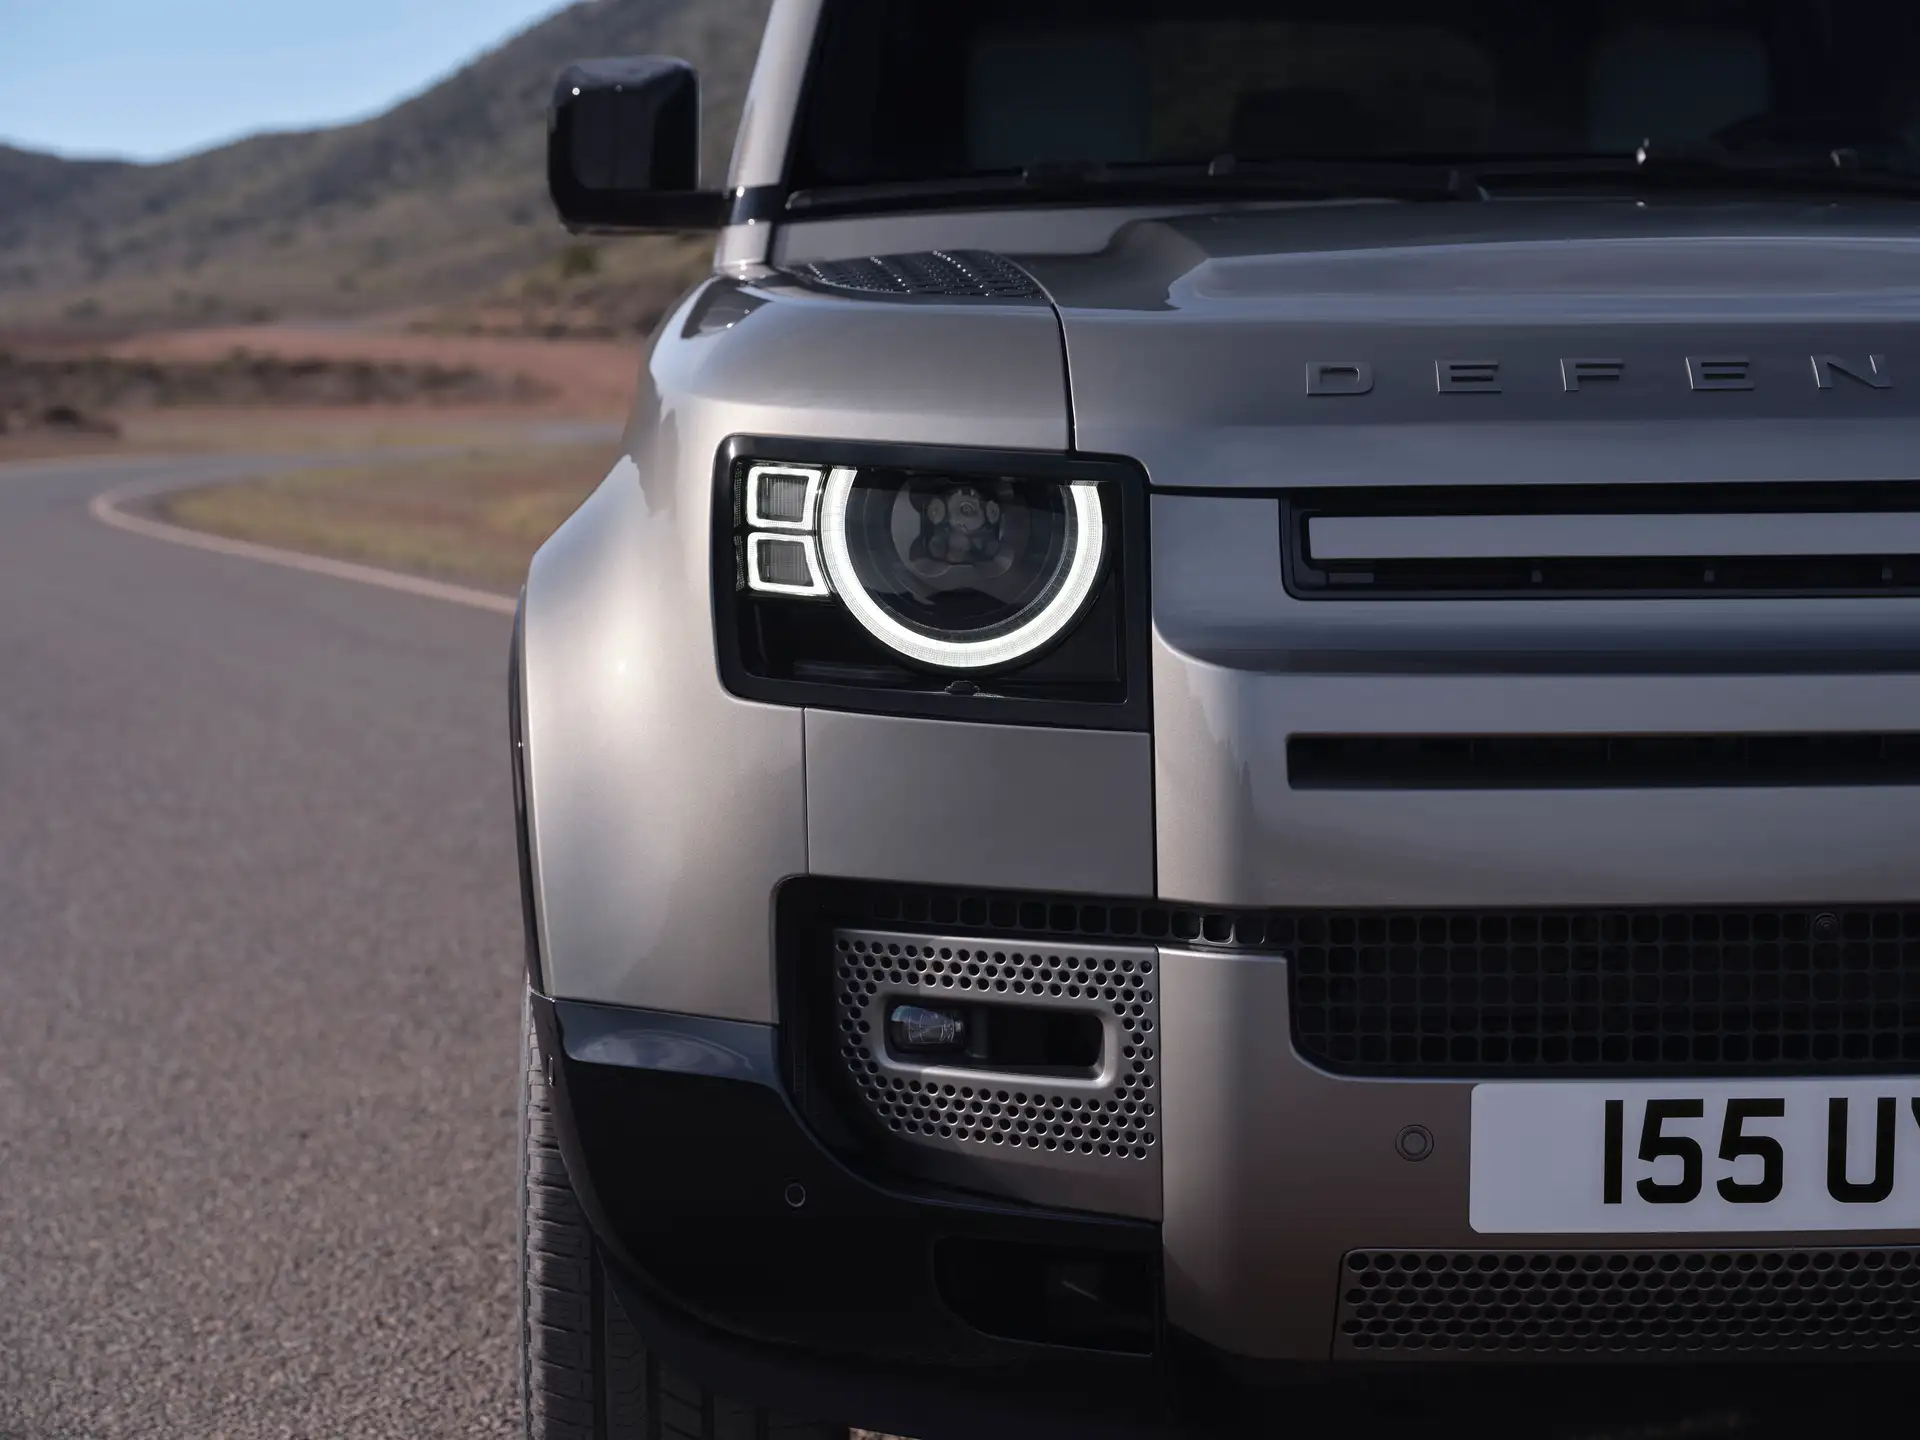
(663, 811)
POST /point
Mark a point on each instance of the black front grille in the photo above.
(938, 274)
(1701, 991)
(1626, 1304)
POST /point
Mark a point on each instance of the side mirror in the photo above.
(623, 148)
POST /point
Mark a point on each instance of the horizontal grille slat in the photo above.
(1404, 1305)
(1570, 762)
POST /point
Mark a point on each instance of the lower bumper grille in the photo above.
(1492, 994)
(1627, 1304)
(1458, 993)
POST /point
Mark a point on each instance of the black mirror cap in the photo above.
(623, 148)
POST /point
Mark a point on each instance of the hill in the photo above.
(437, 206)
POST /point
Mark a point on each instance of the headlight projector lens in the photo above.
(962, 572)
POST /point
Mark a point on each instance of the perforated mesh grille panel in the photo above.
(947, 274)
(1650, 1304)
(1105, 1118)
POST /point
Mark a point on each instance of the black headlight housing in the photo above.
(914, 580)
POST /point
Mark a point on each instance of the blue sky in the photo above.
(151, 79)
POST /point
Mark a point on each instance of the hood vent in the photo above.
(928, 275)
(1622, 541)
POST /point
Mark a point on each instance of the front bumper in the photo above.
(755, 1257)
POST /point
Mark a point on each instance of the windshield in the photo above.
(912, 90)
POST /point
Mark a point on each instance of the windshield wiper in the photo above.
(1695, 165)
(1223, 176)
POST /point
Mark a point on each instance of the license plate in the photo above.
(1571, 1157)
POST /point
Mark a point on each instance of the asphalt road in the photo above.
(259, 977)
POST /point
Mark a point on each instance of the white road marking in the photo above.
(105, 507)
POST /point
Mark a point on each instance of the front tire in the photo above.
(585, 1373)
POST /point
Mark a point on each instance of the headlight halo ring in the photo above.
(1048, 622)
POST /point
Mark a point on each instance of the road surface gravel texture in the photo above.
(259, 988)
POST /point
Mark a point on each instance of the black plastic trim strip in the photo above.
(1127, 483)
(1600, 762)
(522, 804)
(756, 204)
(671, 1043)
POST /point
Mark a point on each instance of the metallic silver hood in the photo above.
(1420, 344)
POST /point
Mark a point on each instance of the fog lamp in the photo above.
(927, 1030)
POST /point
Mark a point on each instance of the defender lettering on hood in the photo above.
(1702, 372)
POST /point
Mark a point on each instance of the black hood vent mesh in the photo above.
(930, 274)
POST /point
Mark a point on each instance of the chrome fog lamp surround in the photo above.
(1062, 599)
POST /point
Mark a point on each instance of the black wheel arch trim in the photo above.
(523, 796)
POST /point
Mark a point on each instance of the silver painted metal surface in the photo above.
(766, 126)
(1523, 537)
(1087, 1141)
(666, 810)
(650, 838)
(1189, 340)
(1275, 1170)
(773, 95)
(808, 364)
(741, 250)
(950, 803)
(1239, 666)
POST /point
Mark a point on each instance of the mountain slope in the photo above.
(439, 199)
(29, 180)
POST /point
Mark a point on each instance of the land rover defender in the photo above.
(1240, 727)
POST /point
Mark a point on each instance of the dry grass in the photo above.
(578, 376)
(475, 516)
(602, 289)
(321, 431)
(510, 387)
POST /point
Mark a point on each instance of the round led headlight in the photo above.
(961, 572)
